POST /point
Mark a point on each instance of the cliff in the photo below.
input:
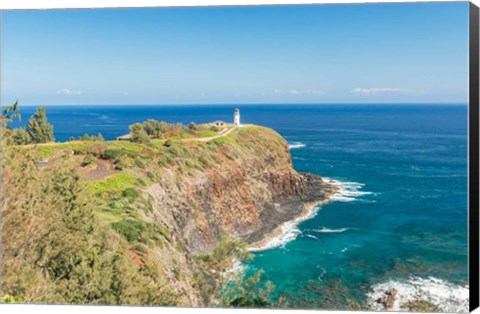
(169, 202)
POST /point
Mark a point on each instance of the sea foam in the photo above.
(289, 232)
(447, 296)
(349, 191)
(327, 230)
(296, 145)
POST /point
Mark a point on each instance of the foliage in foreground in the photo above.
(55, 249)
(38, 129)
(222, 287)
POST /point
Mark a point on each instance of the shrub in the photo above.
(112, 154)
(131, 229)
(20, 136)
(88, 160)
(130, 193)
(167, 143)
(97, 150)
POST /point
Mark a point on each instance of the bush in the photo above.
(167, 143)
(97, 150)
(132, 230)
(88, 160)
(112, 154)
(130, 193)
(20, 136)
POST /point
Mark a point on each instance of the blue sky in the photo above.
(372, 53)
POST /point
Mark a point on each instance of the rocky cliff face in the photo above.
(250, 189)
(246, 197)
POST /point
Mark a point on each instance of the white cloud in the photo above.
(378, 90)
(70, 92)
(294, 92)
(306, 92)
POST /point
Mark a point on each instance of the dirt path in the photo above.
(103, 170)
(206, 139)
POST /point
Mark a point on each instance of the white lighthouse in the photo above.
(236, 117)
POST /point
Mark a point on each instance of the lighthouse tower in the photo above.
(236, 117)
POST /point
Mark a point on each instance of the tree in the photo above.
(10, 113)
(152, 127)
(138, 134)
(38, 127)
(192, 126)
(100, 137)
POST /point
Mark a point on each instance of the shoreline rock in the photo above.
(319, 192)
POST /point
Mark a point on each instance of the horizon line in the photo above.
(251, 104)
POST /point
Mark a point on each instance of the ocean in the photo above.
(400, 221)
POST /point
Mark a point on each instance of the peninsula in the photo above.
(161, 200)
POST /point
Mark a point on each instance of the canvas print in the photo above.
(293, 157)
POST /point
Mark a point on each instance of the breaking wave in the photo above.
(327, 230)
(296, 145)
(289, 232)
(447, 296)
(349, 191)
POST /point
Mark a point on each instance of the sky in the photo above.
(354, 53)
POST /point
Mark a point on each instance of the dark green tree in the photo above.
(38, 127)
(138, 134)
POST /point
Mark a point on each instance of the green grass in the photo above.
(225, 139)
(208, 133)
(49, 149)
(125, 145)
(141, 231)
(180, 137)
(116, 183)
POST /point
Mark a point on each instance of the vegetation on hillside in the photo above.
(67, 239)
(153, 129)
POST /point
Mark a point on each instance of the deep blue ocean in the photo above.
(400, 222)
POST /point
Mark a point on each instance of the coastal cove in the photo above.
(397, 221)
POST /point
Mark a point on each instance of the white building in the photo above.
(236, 117)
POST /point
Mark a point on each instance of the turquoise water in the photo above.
(404, 213)
(401, 221)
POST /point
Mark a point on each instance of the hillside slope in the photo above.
(161, 204)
